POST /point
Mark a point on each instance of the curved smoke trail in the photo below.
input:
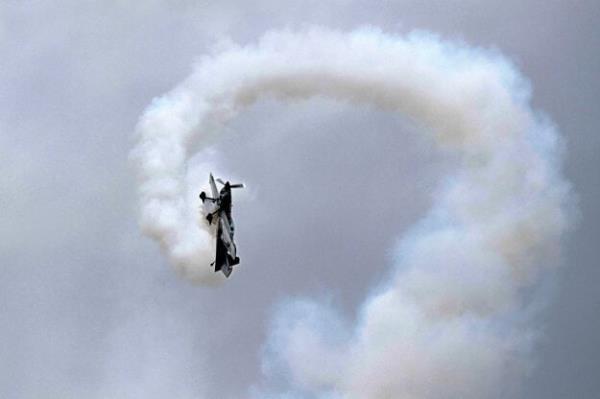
(449, 322)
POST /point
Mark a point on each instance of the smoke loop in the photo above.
(444, 326)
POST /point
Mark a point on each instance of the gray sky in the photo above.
(90, 308)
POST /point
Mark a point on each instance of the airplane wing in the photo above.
(225, 247)
(221, 261)
(213, 187)
(226, 236)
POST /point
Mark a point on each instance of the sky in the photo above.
(90, 307)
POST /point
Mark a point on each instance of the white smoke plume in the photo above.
(451, 320)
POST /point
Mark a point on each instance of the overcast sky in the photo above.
(90, 308)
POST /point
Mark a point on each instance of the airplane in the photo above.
(226, 253)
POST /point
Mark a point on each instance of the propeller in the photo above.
(239, 185)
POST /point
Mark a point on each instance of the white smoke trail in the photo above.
(448, 324)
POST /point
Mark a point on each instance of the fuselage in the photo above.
(225, 201)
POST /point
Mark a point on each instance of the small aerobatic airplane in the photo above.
(226, 256)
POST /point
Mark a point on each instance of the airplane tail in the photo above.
(227, 269)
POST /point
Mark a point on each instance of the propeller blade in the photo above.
(221, 181)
